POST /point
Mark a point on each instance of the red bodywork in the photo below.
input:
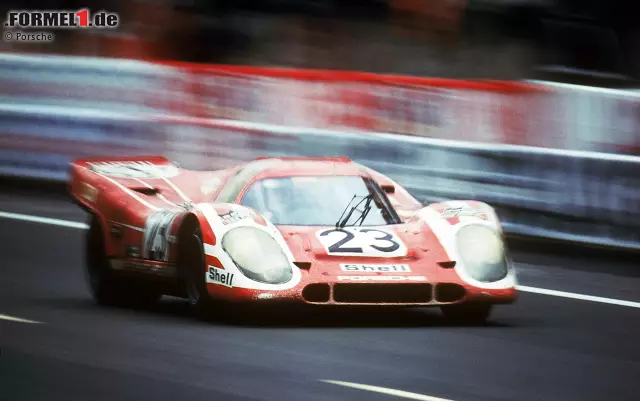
(125, 193)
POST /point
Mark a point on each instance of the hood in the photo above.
(423, 248)
(391, 250)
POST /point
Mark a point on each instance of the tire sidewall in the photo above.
(96, 271)
(193, 265)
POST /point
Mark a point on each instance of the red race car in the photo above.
(323, 231)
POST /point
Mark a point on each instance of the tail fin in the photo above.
(129, 167)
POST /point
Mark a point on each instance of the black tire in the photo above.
(470, 313)
(106, 288)
(193, 264)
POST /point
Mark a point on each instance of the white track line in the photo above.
(389, 391)
(17, 319)
(44, 220)
(524, 288)
(582, 297)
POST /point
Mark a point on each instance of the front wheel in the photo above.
(105, 287)
(467, 313)
(192, 261)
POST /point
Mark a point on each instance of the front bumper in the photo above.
(372, 294)
(401, 294)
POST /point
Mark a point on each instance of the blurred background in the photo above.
(530, 105)
(566, 40)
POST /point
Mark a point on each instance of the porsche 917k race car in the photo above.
(322, 231)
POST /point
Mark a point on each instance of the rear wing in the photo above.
(129, 167)
(89, 176)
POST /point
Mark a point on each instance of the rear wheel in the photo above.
(192, 262)
(106, 288)
(467, 313)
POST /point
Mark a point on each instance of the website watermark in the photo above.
(18, 24)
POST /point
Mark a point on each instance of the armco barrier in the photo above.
(493, 112)
(74, 82)
(544, 193)
(484, 111)
(133, 108)
(532, 113)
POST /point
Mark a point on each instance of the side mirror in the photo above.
(388, 188)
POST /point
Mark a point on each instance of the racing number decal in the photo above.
(336, 248)
(361, 242)
(156, 246)
(386, 237)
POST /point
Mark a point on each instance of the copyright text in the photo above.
(17, 36)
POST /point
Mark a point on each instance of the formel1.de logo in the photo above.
(61, 19)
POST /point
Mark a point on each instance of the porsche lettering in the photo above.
(382, 278)
(402, 268)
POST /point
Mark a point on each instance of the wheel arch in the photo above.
(97, 220)
(190, 224)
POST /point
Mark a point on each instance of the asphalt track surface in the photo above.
(541, 348)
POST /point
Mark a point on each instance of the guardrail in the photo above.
(86, 82)
(551, 193)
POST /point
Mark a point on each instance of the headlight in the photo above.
(482, 252)
(257, 255)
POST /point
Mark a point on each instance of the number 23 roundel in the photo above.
(361, 242)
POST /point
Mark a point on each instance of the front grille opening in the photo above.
(448, 292)
(382, 293)
(316, 293)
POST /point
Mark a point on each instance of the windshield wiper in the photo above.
(363, 214)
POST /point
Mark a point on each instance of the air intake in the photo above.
(318, 292)
(447, 292)
(360, 293)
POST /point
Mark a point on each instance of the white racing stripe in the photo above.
(128, 226)
(524, 288)
(389, 391)
(17, 319)
(159, 195)
(126, 190)
(44, 220)
(582, 297)
(178, 191)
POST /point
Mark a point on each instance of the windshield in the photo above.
(317, 201)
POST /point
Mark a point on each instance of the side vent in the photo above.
(303, 265)
(447, 265)
(145, 190)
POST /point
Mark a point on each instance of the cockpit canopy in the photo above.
(319, 200)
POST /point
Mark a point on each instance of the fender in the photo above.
(446, 219)
(104, 186)
(221, 218)
(88, 193)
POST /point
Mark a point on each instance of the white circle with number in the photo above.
(361, 241)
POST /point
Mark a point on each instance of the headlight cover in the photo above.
(483, 253)
(257, 255)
